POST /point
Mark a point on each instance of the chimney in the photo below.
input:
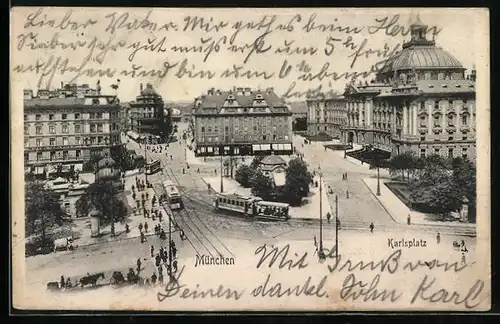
(239, 91)
(248, 91)
(28, 94)
(62, 84)
(270, 90)
(141, 87)
(218, 92)
(210, 92)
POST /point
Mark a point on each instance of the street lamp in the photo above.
(221, 180)
(321, 253)
(337, 223)
(378, 180)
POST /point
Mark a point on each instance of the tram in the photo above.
(173, 195)
(153, 167)
(252, 206)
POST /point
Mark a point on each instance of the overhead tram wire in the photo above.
(201, 221)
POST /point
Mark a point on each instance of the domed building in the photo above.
(146, 115)
(107, 172)
(421, 101)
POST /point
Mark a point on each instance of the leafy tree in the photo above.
(436, 162)
(103, 197)
(91, 164)
(300, 124)
(436, 190)
(464, 177)
(122, 158)
(262, 185)
(297, 181)
(256, 161)
(43, 210)
(243, 175)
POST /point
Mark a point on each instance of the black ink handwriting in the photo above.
(392, 28)
(123, 22)
(37, 21)
(391, 263)
(311, 25)
(285, 261)
(174, 288)
(265, 23)
(195, 23)
(353, 289)
(427, 292)
(361, 51)
(278, 289)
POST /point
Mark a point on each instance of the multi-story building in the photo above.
(420, 101)
(326, 114)
(147, 117)
(242, 122)
(64, 127)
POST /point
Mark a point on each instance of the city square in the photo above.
(348, 199)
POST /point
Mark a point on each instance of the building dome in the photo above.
(421, 58)
(107, 174)
(106, 163)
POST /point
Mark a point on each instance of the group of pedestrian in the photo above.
(344, 176)
(65, 283)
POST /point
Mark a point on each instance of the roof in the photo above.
(273, 160)
(71, 101)
(446, 86)
(213, 102)
(298, 107)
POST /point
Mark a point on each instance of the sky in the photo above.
(461, 32)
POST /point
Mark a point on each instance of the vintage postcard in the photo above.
(250, 159)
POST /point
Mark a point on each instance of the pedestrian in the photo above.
(146, 227)
(160, 216)
(147, 195)
(63, 282)
(153, 214)
(160, 279)
(347, 194)
(152, 250)
(372, 227)
(165, 257)
(181, 234)
(315, 242)
(408, 219)
(174, 265)
(162, 234)
(138, 265)
(133, 195)
(215, 170)
(174, 252)
(328, 216)
(68, 283)
(143, 237)
(438, 238)
(170, 157)
(346, 175)
(127, 229)
(183, 171)
(140, 227)
(153, 278)
(160, 269)
(464, 262)
(161, 252)
(157, 260)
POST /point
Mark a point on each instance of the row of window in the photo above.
(39, 142)
(53, 156)
(245, 119)
(236, 128)
(451, 152)
(215, 139)
(94, 128)
(98, 115)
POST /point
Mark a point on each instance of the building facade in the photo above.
(420, 101)
(65, 126)
(241, 122)
(326, 114)
(146, 115)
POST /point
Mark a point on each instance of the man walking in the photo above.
(372, 227)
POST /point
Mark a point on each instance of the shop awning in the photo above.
(265, 147)
(256, 147)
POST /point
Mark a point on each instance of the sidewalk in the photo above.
(133, 220)
(399, 211)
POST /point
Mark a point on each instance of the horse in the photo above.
(91, 279)
(457, 245)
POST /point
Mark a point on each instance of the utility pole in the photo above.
(336, 227)
(170, 242)
(146, 160)
(221, 170)
(321, 253)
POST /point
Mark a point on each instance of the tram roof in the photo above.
(273, 204)
(234, 196)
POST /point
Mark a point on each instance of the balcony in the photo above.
(465, 128)
(437, 129)
(451, 129)
(423, 129)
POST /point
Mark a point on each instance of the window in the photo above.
(99, 139)
(264, 137)
(26, 157)
(26, 130)
(436, 121)
(77, 116)
(92, 128)
(52, 141)
(92, 115)
(99, 128)
(38, 117)
(99, 115)
(52, 155)
(203, 129)
(464, 138)
(52, 130)
(436, 150)
(464, 120)
(78, 154)
(464, 156)
(450, 120)
(65, 141)
(78, 140)
(209, 129)
(38, 156)
(38, 142)
(64, 116)
(422, 152)
(227, 129)
(78, 129)
(422, 121)
(65, 155)
(51, 116)
(422, 138)
(26, 143)
(209, 139)
(65, 129)
(274, 136)
(39, 129)
(25, 117)
(450, 152)
(255, 128)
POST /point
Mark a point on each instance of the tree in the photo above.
(262, 185)
(122, 158)
(243, 175)
(256, 161)
(43, 211)
(297, 181)
(91, 164)
(103, 197)
(464, 176)
(436, 162)
(437, 191)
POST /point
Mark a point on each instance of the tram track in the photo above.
(202, 234)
